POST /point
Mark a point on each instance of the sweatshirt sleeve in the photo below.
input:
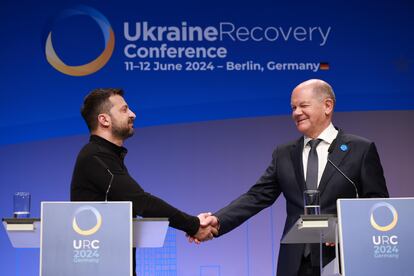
(125, 188)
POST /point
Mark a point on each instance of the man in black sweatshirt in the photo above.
(110, 122)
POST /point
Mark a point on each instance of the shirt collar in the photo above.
(120, 151)
(327, 136)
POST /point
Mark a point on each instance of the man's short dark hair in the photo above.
(97, 102)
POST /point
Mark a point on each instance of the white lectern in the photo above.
(86, 238)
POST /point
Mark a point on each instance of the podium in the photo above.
(373, 234)
(86, 238)
(316, 229)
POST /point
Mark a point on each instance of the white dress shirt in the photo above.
(327, 136)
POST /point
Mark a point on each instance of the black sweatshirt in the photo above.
(90, 182)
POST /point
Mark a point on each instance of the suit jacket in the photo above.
(359, 161)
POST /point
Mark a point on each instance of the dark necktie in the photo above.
(312, 177)
(312, 170)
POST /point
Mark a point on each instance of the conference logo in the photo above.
(92, 230)
(95, 65)
(86, 250)
(385, 244)
(184, 46)
(387, 227)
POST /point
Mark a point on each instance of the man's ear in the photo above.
(104, 120)
(329, 106)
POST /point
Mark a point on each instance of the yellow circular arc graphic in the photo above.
(92, 230)
(80, 70)
(391, 225)
(97, 63)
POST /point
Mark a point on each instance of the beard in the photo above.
(123, 131)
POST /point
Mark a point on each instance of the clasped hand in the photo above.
(208, 228)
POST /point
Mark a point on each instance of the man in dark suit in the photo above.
(312, 105)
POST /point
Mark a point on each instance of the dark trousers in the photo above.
(306, 268)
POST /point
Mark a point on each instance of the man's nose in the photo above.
(296, 112)
(132, 114)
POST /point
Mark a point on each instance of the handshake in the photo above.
(209, 226)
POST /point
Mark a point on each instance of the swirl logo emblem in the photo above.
(96, 64)
(92, 230)
(394, 213)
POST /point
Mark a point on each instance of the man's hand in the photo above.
(208, 228)
(207, 219)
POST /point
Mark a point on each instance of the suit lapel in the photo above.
(296, 156)
(336, 156)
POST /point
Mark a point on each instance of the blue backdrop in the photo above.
(369, 50)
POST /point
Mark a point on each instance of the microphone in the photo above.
(107, 169)
(330, 150)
